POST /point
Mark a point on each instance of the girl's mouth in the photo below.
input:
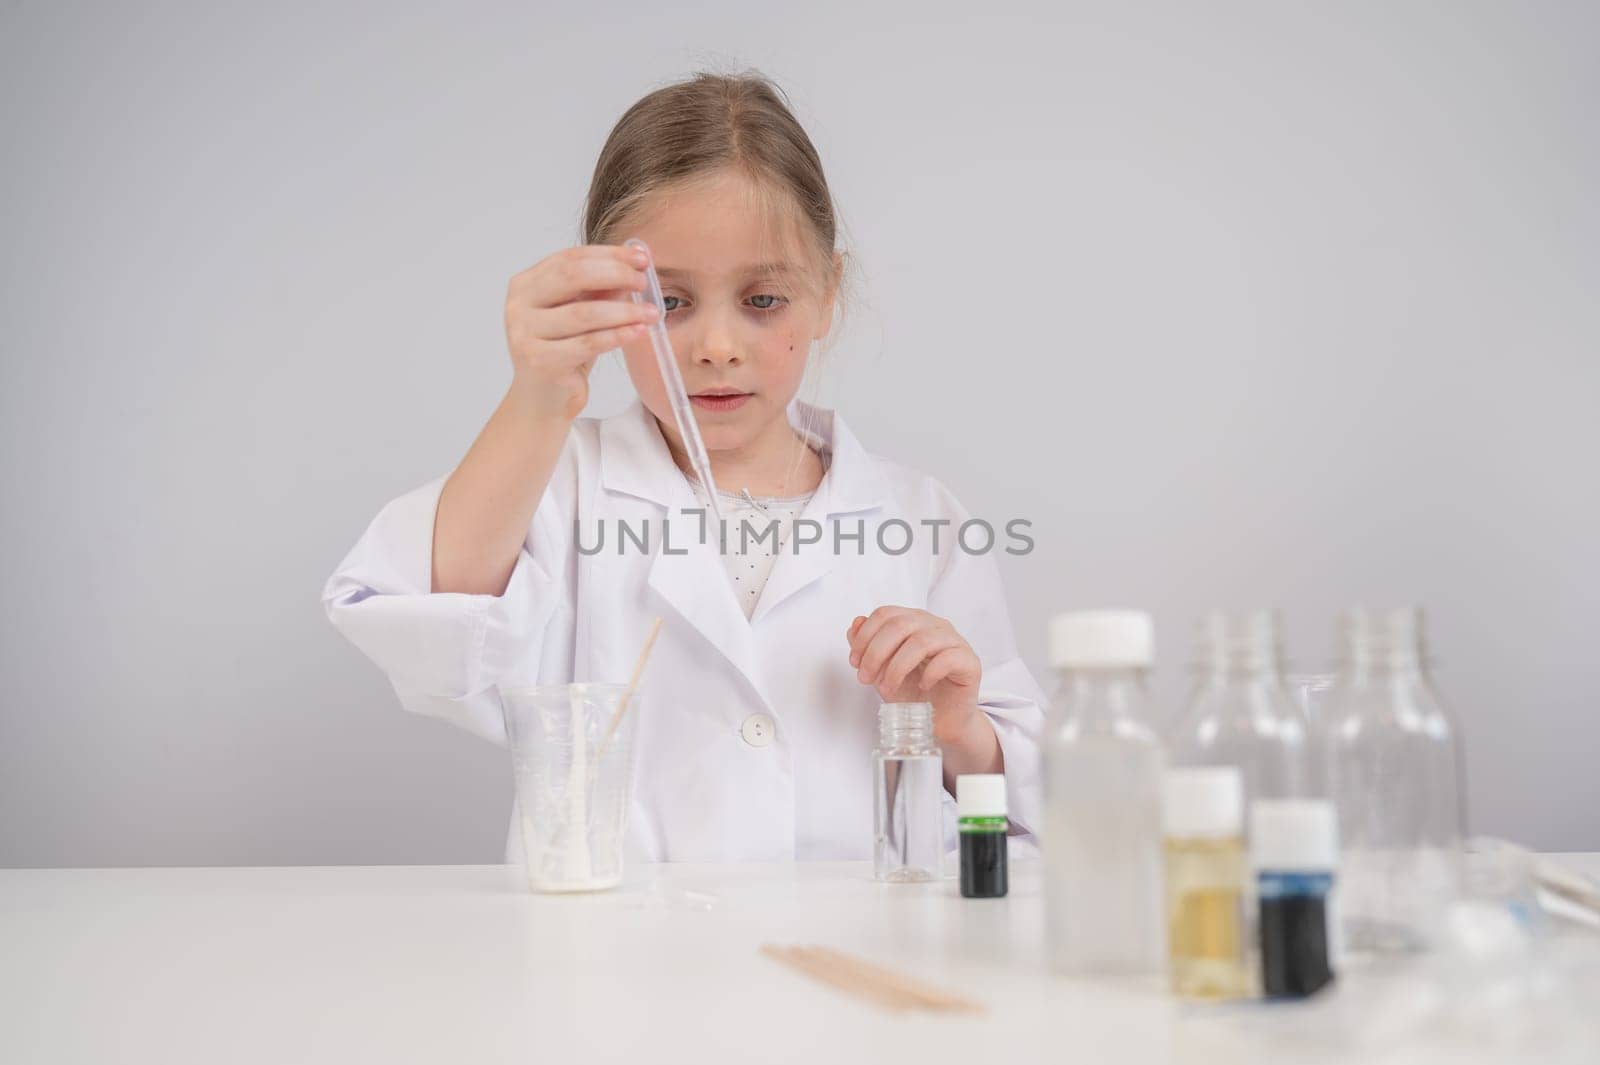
(719, 401)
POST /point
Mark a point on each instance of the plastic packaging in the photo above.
(1310, 692)
(572, 790)
(908, 790)
(1102, 819)
(1294, 851)
(1240, 712)
(1394, 764)
(1203, 823)
(982, 825)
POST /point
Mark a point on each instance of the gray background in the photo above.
(1239, 304)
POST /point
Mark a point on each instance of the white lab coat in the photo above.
(754, 736)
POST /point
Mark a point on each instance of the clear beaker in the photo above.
(573, 782)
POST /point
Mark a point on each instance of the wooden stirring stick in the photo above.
(627, 696)
(881, 986)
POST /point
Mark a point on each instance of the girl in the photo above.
(753, 742)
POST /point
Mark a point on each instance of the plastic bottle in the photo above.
(1101, 835)
(1294, 851)
(908, 795)
(1394, 765)
(982, 826)
(1240, 712)
(1206, 869)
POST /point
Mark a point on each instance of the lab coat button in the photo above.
(758, 730)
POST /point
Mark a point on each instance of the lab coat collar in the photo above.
(634, 460)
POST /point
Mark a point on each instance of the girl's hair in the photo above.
(695, 128)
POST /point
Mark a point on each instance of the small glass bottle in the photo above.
(908, 795)
(1294, 850)
(1393, 761)
(1101, 835)
(1203, 822)
(982, 825)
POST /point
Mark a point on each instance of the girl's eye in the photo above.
(771, 304)
(671, 303)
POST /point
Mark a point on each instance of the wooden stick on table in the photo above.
(875, 983)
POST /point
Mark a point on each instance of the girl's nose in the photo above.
(717, 346)
(718, 355)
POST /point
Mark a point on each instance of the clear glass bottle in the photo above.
(1394, 766)
(1101, 835)
(908, 795)
(1207, 872)
(1240, 712)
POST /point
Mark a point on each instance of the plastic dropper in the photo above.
(682, 409)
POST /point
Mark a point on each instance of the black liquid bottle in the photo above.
(981, 807)
(1294, 849)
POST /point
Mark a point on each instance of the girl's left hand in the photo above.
(912, 656)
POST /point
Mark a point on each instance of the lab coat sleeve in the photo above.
(444, 652)
(968, 591)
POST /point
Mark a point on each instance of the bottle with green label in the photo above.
(981, 807)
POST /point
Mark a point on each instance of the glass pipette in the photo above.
(677, 396)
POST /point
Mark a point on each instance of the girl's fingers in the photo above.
(547, 270)
(576, 319)
(917, 649)
(956, 664)
(566, 276)
(874, 645)
(870, 627)
(873, 651)
(582, 348)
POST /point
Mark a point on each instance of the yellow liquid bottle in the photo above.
(1206, 873)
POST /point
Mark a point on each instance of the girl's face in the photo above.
(743, 306)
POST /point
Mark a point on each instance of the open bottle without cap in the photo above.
(1240, 712)
(1394, 764)
(908, 796)
(1241, 715)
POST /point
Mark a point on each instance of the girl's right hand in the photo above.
(567, 310)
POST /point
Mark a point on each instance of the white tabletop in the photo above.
(462, 964)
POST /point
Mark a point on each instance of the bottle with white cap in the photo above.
(1294, 849)
(982, 826)
(1203, 820)
(1101, 835)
